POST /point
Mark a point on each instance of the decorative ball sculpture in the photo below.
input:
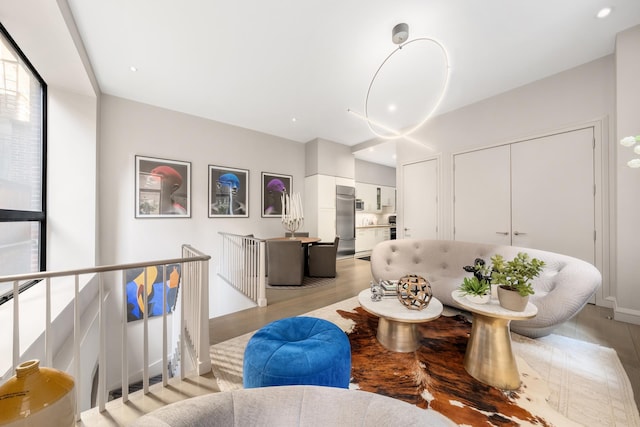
(414, 292)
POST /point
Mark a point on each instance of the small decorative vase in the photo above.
(478, 299)
(38, 396)
(512, 300)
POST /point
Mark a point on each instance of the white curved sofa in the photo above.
(284, 406)
(565, 285)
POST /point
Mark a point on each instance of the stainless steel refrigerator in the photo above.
(346, 219)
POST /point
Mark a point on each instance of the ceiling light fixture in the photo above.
(604, 12)
(399, 34)
(133, 69)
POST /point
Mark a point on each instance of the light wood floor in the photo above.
(593, 324)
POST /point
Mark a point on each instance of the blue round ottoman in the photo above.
(297, 351)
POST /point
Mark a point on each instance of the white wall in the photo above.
(71, 174)
(129, 129)
(627, 90)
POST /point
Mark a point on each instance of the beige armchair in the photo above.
(322, 259)
(285, 262)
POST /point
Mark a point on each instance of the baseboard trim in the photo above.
(626, 315)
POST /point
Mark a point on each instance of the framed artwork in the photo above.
(228, 192)
(273, 186)
(157, 285)
(163, 188)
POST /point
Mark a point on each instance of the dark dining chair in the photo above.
(285, 262)
(322, 259)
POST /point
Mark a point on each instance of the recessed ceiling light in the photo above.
(604, 12)
(293, 119)
(133, 69)
(371, 149)
(392, 108)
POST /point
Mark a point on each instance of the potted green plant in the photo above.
(482, 271)
(476, 290)
(514, 279)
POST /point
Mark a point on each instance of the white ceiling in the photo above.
(259, 64)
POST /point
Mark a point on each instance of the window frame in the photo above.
(11, 215)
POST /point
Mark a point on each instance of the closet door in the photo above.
(420, 200)
(482, 196)
(553, 194)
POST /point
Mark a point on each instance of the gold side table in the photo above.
(489, 357)
(397, 327)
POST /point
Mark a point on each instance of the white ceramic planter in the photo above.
(479, 299)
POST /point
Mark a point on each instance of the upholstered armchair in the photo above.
(285, 262)
(322, 259)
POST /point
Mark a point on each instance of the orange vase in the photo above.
(37, 396)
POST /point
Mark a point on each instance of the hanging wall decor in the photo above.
(273, 187)
(228, 192)
(163, 188)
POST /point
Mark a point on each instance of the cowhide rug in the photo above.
(433, 376)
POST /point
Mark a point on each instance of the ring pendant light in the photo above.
(399, 34)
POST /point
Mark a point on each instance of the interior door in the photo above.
(553, 202)
(482, 196)
(420, 200)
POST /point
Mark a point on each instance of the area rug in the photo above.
(565, 382)
(308, 282)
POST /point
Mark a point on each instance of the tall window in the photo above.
(22, 162)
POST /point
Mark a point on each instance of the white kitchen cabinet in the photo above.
(363, 192)
(326, 224)
(368, 237)
(362, 243)
(371, 195)
(326, 192)
(388, 197)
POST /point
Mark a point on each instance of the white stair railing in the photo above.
(243, 265)
(193, 321)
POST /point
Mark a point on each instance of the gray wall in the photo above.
(329, 158)
(627, 280)
(373, 173)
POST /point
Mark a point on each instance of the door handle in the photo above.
(406, 229)
(517, 233)
(505, 233)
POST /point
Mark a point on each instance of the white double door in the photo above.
(538, 194)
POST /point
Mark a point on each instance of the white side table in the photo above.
(397, 327)
(489, 357)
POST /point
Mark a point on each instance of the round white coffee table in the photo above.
(397, 327)
(489, 357)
